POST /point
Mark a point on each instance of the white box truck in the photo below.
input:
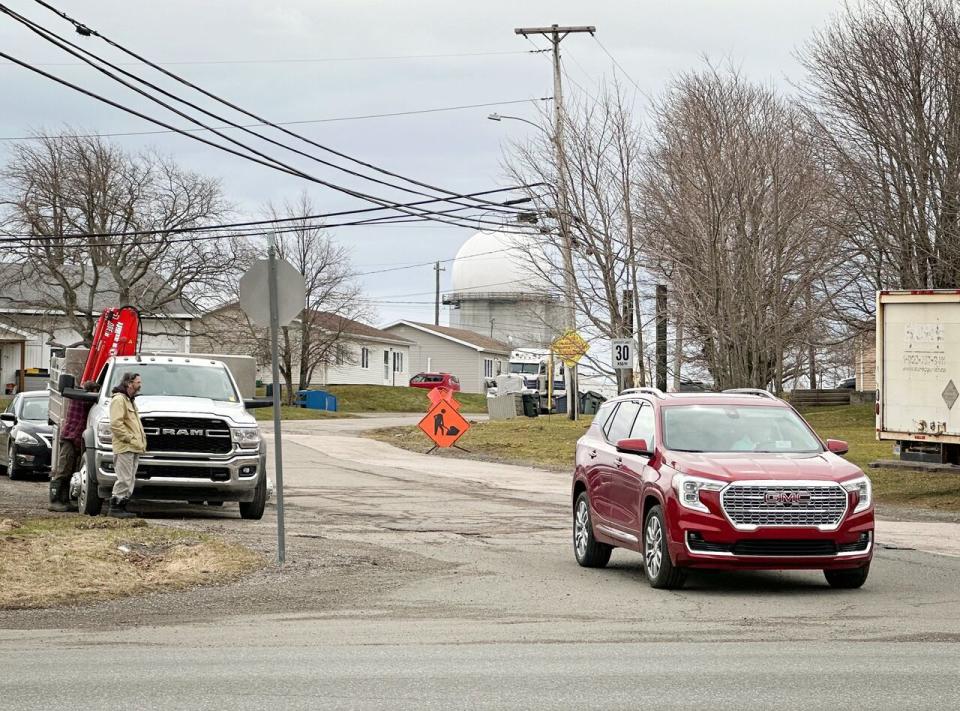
(918, 374)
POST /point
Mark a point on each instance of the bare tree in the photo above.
(602, 150)
(885, 84)
(58, 190)
(735, 206)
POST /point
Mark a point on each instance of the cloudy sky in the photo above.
(359, 57)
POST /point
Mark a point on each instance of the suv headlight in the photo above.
(246, 437)
(864, 490)
(104, 433)
(25, 438)
(688, 490)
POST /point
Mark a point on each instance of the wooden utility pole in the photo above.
(436, 306)
(661, 314)
(625, 377)
(555, 34)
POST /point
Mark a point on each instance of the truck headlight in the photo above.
(246, 437)
(864, 490)
(25, 438)
(104, 433)
(688, 490)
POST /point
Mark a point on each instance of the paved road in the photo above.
(493, 612)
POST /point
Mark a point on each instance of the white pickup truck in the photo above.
(202, 443)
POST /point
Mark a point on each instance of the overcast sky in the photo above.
(458, 150)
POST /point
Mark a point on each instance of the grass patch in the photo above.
(383, 398)
(265, 414)
(548, 442)
(54, 561)
(545, 441)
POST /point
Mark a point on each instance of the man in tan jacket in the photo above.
(129, 442)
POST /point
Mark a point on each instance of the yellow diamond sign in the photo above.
(570, 348)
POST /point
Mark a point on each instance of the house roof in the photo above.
(339, 324)
(458, 335)
(24, 290)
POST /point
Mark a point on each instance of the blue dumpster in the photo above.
(317, 400)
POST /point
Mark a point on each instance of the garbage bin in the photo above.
(531, 405)
(590, 402)
(317, 400)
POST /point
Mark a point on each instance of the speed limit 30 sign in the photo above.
(621, 353)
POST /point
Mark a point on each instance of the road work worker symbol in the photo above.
(443, 424)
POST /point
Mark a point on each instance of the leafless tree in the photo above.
(885, 85)
(58, 190)
(602, 151)
(736, 209)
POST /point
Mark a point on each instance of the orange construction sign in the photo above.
(436, 395)
(443, 424)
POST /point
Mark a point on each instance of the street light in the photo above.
(500, 117)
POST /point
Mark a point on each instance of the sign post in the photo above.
(286, 298)
(570, 347)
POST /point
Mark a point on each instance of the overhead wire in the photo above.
(617, 64)
(84, 30)
(79, 52)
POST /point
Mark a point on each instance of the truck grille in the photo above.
(211, 473)
(187, 434)
(749, 506)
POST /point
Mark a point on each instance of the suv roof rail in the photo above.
(752, 391)
(656, 392)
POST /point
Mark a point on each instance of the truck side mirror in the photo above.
(81, 395)
(66, 381)
(253, 403)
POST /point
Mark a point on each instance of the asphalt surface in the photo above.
(424, 582)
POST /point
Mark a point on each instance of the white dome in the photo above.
(496, 262)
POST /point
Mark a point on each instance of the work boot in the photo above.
(118, 508)
(59, 496)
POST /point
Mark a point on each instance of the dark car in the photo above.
(26, 438)
(435, 380)
(847, 384)
(734, 480)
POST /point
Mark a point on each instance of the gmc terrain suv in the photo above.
(732, 480)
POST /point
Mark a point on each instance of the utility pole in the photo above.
(436, 306)
(555, 34)
(627, 375)
(661, 313)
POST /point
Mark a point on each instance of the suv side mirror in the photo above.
(837, 446)
(634, 446)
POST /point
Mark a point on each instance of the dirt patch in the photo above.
(47, 561)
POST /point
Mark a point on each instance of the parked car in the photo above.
(26, 438)
(435, 380)
(732, 480)
(847, 384)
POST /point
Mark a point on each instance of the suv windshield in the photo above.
(34, 409)
(179, 380)
(736, 428)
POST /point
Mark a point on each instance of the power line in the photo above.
(86, 31)
(308, 60)
(66, 45)
(617, 64)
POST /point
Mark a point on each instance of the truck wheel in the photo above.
(88, 500)
(660, 570)
(254, 509)
(589, 552)
(848, 578)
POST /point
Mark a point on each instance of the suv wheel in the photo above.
(254, 509)
(848, 578)
(660, 570)
(589, 552)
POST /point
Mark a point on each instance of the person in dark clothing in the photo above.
(70, 449)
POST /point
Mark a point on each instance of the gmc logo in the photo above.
(787, 498)
(184, 432)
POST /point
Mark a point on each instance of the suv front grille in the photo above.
(750, 506)
(775, 548)
(187, 434)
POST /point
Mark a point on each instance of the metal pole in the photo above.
(275, 360)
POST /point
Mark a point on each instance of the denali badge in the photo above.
(787, 498)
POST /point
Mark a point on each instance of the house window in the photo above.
(341, 354)
(488, 367)
(364, 358)
(398, 362)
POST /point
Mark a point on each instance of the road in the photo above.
(425, 582)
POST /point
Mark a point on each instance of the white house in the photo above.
(442, 349)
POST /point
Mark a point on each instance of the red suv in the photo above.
(732, 480)
(435, 380)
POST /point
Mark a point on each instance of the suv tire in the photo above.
(253, 510)
(589, 552)
(660, 570)
(847, 578)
